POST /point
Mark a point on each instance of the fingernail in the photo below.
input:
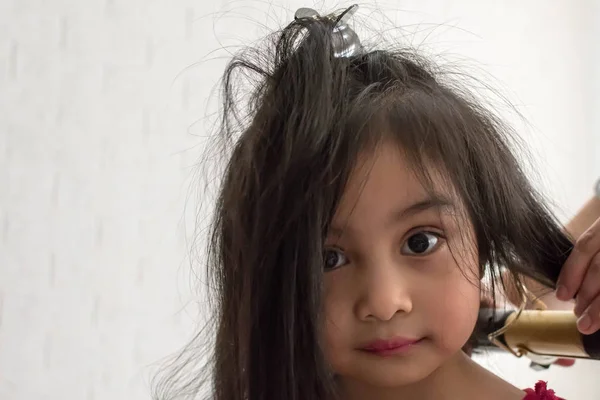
(562, 293)
(584, 322)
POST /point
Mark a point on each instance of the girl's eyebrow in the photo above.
(436, 201)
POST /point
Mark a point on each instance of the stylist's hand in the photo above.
(580, 279)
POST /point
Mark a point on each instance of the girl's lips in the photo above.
(385, 347)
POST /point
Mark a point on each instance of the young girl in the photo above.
(365, 198)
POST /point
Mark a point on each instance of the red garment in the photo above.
(541, 392)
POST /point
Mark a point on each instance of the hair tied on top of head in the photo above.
(346, 42)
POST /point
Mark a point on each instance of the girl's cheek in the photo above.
(336, 327)
(457, 310)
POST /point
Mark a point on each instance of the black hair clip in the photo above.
(345, 41)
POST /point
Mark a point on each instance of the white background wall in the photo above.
(99, 134)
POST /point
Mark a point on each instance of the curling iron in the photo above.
(543, 336)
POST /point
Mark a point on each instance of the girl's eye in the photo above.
(421, 243)
(334, 259)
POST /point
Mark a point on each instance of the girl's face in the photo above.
(398, 302)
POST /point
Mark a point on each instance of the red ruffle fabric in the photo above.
(541, 392)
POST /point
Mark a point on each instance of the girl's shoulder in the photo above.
(541, 392)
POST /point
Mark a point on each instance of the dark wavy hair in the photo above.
(291, 147)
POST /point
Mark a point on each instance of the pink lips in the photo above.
(390, 347)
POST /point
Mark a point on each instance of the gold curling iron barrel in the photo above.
(542, 336)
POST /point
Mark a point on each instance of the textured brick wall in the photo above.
(101, 123)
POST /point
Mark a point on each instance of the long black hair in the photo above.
(291, 148)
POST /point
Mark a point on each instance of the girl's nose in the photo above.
(384, 293)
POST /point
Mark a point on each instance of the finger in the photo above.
(565, 362)
(574, 269)
(589, 322)
(590, 288)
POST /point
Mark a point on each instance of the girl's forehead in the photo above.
(386, 175)
(389, 163)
